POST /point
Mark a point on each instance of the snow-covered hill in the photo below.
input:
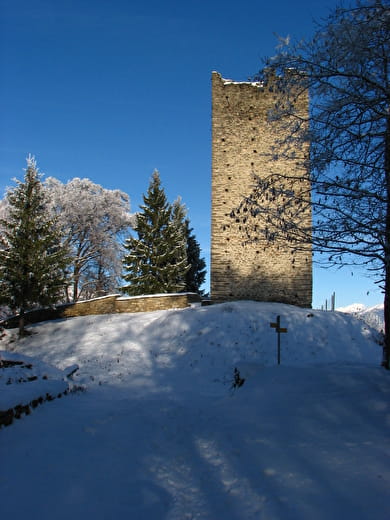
(186, 415)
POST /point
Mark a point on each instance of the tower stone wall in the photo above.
(242, 137)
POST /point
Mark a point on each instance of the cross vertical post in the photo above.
(278, 330)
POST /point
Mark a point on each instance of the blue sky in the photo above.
(111, 90)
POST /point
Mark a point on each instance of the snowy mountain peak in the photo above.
(352, 308)
(373, 316)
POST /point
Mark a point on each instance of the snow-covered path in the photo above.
(163, 437)
(293, 445)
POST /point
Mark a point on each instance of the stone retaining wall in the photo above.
(111, 304)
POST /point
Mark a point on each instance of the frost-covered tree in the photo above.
(346, 68)
(156, 261)
(93, 221)
(196, 274)
(32, 259)
(3, 209)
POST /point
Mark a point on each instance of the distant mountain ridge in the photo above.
(373, 316)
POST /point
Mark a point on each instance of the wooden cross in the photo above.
(278, 330)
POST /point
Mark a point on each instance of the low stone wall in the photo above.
(156, 302)
(111, 304)
(103, 305)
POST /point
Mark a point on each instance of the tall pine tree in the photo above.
(196, 274)
(180, 239)
(32, 262)
(156, 261)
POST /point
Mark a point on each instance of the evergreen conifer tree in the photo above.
(155, 262)
(32, 262)
(179, 238)
(196, 274)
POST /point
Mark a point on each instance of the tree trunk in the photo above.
(76, 280)
(21, 323)
(386, 345)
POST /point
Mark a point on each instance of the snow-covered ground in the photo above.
(164, 431)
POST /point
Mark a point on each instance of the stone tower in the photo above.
(241, 141)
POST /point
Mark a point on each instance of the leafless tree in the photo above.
(345, 67)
